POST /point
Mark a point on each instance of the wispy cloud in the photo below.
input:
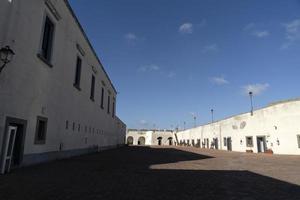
(143, 122)
(149, 68)
(210, 48)
(292, 32)
(171, 75)
(186, 28)
(256, 89)
(130, 37)
(261, 34)
(219, 80)
(251, 28)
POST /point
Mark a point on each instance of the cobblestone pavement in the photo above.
(158, 173)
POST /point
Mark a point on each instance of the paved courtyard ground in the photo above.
(158, 173)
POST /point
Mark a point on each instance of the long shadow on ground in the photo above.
(125, 174)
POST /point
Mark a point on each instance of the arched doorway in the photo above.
(159, 139)
(141, 141)
(130, 140)
(170, 141)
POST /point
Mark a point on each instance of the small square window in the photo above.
(249, 141)
(41, 130)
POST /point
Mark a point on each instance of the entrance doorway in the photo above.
(142, 141)
(130, 140)
(170, 141)
(261, 144)
(216, 143)
(13, 144)
(229, 144)
(159, 139)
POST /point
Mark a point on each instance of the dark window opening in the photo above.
(47, 42)
(41, 130)
(249, 141)
(108, 104)
(298, 139)
(93, 88)
(225, 141)
(114, 109)
(78, 73)
(102, 98)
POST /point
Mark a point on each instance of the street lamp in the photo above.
(195, 121)
(6, 56)
(184, 123)
(212, 115)
(251, 101)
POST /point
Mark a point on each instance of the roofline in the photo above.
(160, 130)
(255, 110)
(88, 41)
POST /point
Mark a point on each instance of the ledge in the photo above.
(77, 87)
(44, 60)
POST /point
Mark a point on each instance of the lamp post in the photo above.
(195, 121)
(251, 101)
(184, 123)
(212, 115)
(6, 56)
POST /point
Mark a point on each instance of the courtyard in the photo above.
(158, 173)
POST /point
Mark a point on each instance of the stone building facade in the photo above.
(56, 99)
(273, 129)
(150, 137)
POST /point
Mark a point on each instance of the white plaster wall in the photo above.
(150, 136)
(30, 88)
(277, 122)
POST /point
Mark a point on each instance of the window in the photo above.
(47, 41)
(78, 127)
(78, 73)
(67, 125)
(225, 141)
(102, 98)
(92, 88)
(41, 130)
(249, 141)
(108, 104)
(73, 126)
(298, 139)
(114, 109)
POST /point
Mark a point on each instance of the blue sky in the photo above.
(170, 60)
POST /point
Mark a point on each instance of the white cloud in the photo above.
(261, 34)
(256, 89)
(292, 32)
(252, 29)
(149, 68)
(130, 37)
(219, 80)
(186, 28)
(171, 75)
(210, 48)
(249, 26)
(143, 122)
